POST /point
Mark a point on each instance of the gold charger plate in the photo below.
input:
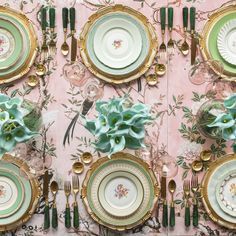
(204, 191)
(124, 162)
(220, 18)
(136, 72)
(25, 67)
(35, 195)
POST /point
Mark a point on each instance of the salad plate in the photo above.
(115, 61)
(226, 42)
(11, 193)
(117, 183)
(18, 45)
(19, 193)
(221, 167)
(209, 41)
(117, 42)
(120, 193)
(226, 193)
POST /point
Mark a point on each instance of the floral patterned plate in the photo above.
(140, 172)
(226, 193)
(11, 193)
(117, 42)
(19, 44)
(120, 193)
(10, 36)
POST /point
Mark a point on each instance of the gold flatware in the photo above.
(160, 69)
(193, 39)
(172, 188)
(165, 205)
(197, 165)
(87, 158)
(185, 47)
(162, 47)
(40, 68)
(67, 190)
(65, 46)
(73, 39)
(78, 167)
(206, 155)
(170, 43)
(52, 42)
(32, 81)
(186, 187)
(152, 79)
(54, 190)
(194, 188)
(45, 195)
(75, 187)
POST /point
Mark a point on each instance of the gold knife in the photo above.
(73, 39)
(163, 196)
(193, 39)
(45, 195)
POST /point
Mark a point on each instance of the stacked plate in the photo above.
(18, 45)
(219, 191)
(118, 44)
(218, 40)
(120, 192)
(19, 193)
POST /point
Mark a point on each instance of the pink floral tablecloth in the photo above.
(174, 101)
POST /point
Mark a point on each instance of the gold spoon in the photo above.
(197, 165)
(185, 47)
(54, 190)
(160, 69)
(65, 46)
(152, 79)
(78, 167)
(172, 188)
(87, 158)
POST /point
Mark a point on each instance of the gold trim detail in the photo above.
(213, 18)
(211, 213)
(116, 79)
(36, 192)
(119, 156)
(24, 69)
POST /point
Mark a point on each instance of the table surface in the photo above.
(173, 97)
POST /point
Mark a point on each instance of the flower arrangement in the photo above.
(226, 121)
(119, 125)
(13, 128)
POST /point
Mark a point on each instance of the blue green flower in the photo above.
(230, 102)
(117, 144)
(229, 133)
(223, 121)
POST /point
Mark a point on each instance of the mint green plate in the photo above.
(16, 198)
(136, 64)
(16, 41)
(27, 193)
(212, 42)
(26, 44)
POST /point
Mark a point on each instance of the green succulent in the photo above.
(119, 125)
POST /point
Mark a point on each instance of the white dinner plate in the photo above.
(120, 193)
(226, 42)
(117, 43)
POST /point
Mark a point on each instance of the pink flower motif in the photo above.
(121, 191)
(117, 43)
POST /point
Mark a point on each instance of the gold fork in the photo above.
(186, 188)
(52, 43)
(194, 188)
(163, 26)
(67, 189)
(75, 187)
(170, 44)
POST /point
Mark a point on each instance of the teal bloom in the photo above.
(223, 121)
(119, 125)
(230, 102)
(229, 133)
(7, 142)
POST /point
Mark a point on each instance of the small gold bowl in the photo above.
(197, 165)
(206, 155)
(78, 167)
(86, 158)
